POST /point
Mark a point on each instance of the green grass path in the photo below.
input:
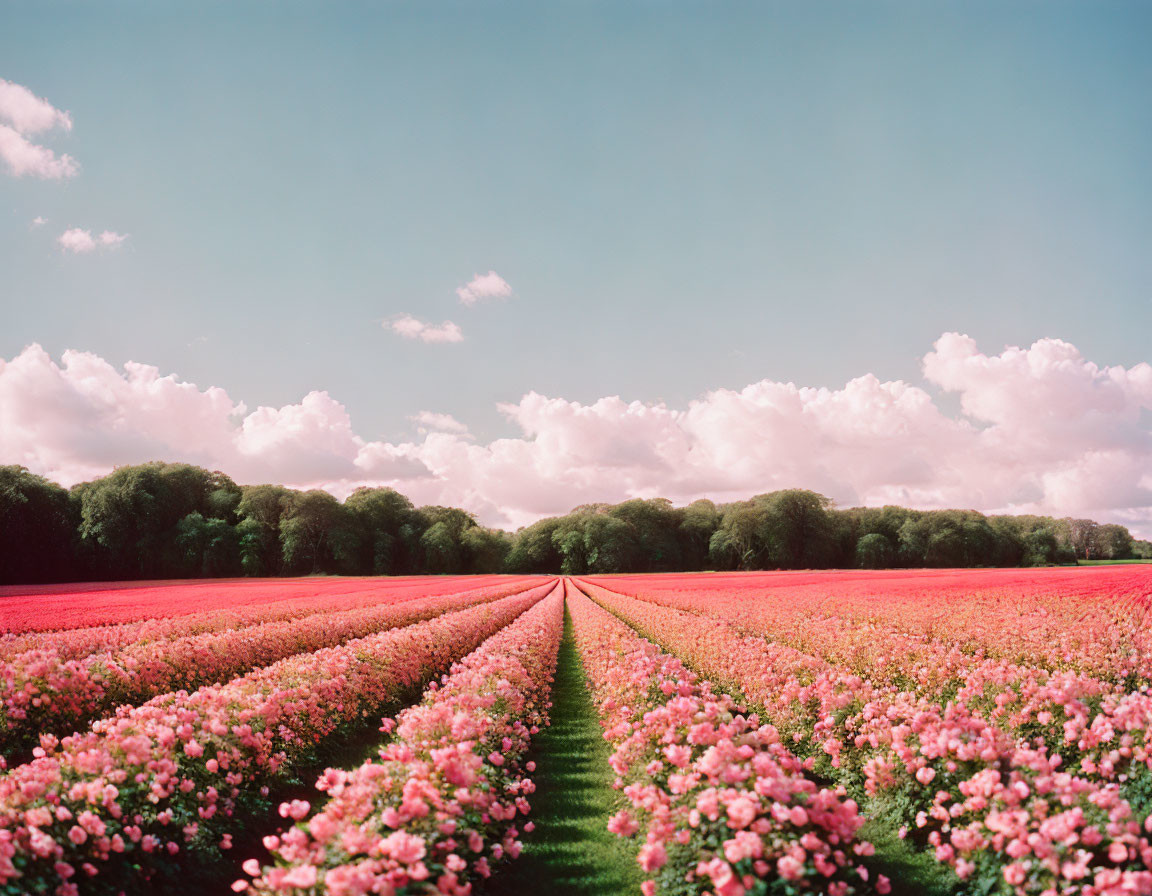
(571, 852)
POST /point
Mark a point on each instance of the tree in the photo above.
(261, 508)
(912, 543)
(533, 549)
(874, 551)
(441, 549)
(210, 547)
(1113, 542)
(130, 516)
(314, 533)
(568, 541)
(738, 542)
(378, 516)
(38, 522)
(484, 549)
(250, 535)
(798, 529)
(1081, 535)
(610, 544)
(698, 521)
(651, 543)
(1041, 547)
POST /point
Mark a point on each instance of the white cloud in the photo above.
(22, 114)
(38, 222)
(411, 328)
(81, 241)
(1041, 430)
(429, 421)
(111, 240)
(28, 113)
(483, 287)
(79, 418)
(25, 157)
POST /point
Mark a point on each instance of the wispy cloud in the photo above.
(81, 241)
(413, 328)
(38, 222)
(483, 287)
(22, 114)
(430, 421)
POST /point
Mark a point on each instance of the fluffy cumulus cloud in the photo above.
(23, 115)
(80, 241)
(78, 418)
(484, 287)
(413, 328)
(1040, 429)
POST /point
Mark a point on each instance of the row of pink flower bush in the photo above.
(1084, 619)
(1098, 725)
(968, 774)
(443, 803)
(331, 596)
(181, 774)
(41, 692)
(723, 805)
(59, 608)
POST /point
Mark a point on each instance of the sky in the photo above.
(521, 256)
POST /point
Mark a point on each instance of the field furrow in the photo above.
(571, 852)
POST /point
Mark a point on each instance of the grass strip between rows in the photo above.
(571, 852)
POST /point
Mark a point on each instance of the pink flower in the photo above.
(622, 824)
(741, 812)
(790, 867)
(652, 856)
(302, 876)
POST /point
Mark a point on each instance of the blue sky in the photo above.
(682, 196)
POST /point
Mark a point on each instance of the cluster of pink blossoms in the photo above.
(723, 805)
(1020, 778)
(442, 803)
(101, 811)
(44, 691)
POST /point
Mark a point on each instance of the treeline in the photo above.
(159, 520)
(798, 529)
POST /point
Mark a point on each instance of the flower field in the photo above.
(764, 733)
(49, 691)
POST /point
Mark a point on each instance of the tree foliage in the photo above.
(161, 520)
